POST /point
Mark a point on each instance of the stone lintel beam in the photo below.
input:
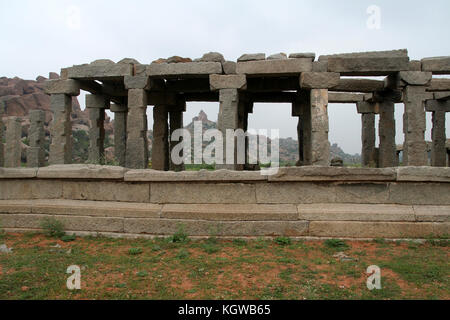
(187, 69)
(395, 96)
(236, 81)
(437, 65)
(358, 85)
(444, 95)
(69, 87)
(404, 78)
(106, 90)
(437, 105)
(97, 101)
(99, 72)
(319, 80)
(439, 85)
(344, 97)
(284, 67)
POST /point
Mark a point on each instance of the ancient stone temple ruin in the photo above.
(313, 199)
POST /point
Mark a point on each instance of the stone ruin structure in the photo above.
(311, 200)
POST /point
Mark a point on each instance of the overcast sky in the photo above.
(42, 36)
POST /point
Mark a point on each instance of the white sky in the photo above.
(42, 36)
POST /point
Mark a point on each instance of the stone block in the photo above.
(95, 72)
(69, 87)
(229, 67)
(223, 228)
(137, 82)
(190, 176)
(432, 213)
(15, 206)
(368, 193)
(437, 65)
(295, 192)
(299, 55)
(106, 191)
(46, 189)
(202, 193)
(15, 189)
(401, 53)
(184, 69)
(319, 80)
(320, 66)
(237, 81)
(275, 67)
(17, 173)
(355, 212)
(350, 229)
(359, 85)
(368, 66)
(212, 57)
(81, 171)
(419, 193)
(415, 77)
(252, 57)
(415, 65)
(226, 212)
(277, 56)
(423, 174)
(309, 173)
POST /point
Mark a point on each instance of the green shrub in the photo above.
(134, 251)
(52, 227)
(283, 241)
(180, 236)
(336, 244)
(69, 238)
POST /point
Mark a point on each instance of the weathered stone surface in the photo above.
(229, 67)
(386, 130)
(277, 56)
(275, 67)
(359, 85)
(319, 80)
(17, 173)
(81, 171)
(91, 208)
(437, 65)
(360, 192)
(367, 107)
(333, 174)
(439, 85)
(61, 129)
(252, 57)
(137, 82)
(237, 81)
(106, 191)
(222, 228)
(30, 189)
(228, 118)
(423, 174)
(437, 105)
(349, 229)
(175, 123)
(343, 97)
(160, 146)
(369, 54)
(12, 142)
(442, 95)
(104, 71)
(212, 57)
(292, 192)
(367, 66)
(415, 77)
(96, 105)
(438, 149)
(355, 212)
(320, 146)
(187, 176)
(137, 143)
(15, 206)
(300, 55)
(36, 136)
(419, 193)
(184, 69)
(320, 66)
(202, 193)
(367, 138)
(240, 212)
(415, 65)
(432, 213)
(69, 87)
(120, 134)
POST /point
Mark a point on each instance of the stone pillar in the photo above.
(2, 153)
(368, 139)
(228, 119)
(438, 147)
(320, 146)
(176, 122)
(13, 148)
(386, 130)
(36, 136)
(96, 104)
(160, 146)
(414, 126)
(299, 109)
(61, 92)
(120, 133)
(137, 143)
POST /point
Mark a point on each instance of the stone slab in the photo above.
(18, 173)
(252, 57)
(423, 174)
(275, 67)
(344, 97)
(106, 191)
(437, 65)
(368, 54)
(358, 85)
(353, 229)
(221, 175)
(364, 193)
(368, 66)
(69, 87)
(239, 193)
(237, 81)
(427, 193)
(15, 206)
(93, 72)
(239, 212)
(310, 173)
(355, 212)
(81, 171)
(184, 69)
(216, 228)
(432, 213)
(319, 80)
(294, 192)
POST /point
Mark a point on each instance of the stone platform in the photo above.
(319, 202)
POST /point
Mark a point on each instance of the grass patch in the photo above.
(53, 228)
(135, 251)
(283, 241)
(336, 244)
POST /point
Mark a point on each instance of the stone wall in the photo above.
(406, 202)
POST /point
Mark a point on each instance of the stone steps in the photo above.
(231, 220)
